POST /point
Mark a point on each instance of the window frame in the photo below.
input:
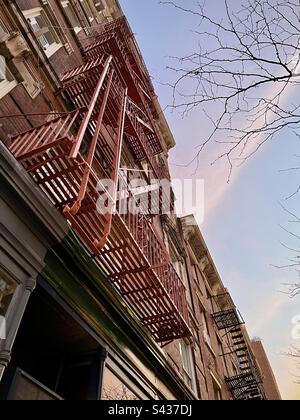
(65, 4)
(217, 388)
(188, 365)
(6, 85)
(86, 6)
(39, 11)
(97, 3)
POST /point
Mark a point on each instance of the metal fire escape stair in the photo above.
(115, 39)
(247, 384)
(69, 156)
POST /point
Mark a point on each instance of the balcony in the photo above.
(118, 37)
(227, 319)
(225, 314)
(69, 157)
(245, 387)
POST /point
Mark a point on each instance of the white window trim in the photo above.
(52, 49)
(30, 81)
(216, 382)
(37, 11)
(32, 12)
(191, 375)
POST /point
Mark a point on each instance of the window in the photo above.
(7, 289)
(187, 365)
(7, 81)
(234, 370)
(30, 79)
(217, 391)
(3, 30)
(71, 15)
(205, 328)
(179, 267)
(222, 356)
(43, 30)
(86, 7)
(99, 5)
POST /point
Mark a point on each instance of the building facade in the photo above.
(269, 381)
(116, 304)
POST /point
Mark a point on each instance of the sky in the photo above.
(244, 224)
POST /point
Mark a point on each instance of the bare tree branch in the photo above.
(242, 71)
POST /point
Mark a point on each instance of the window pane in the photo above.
(7, 289)
(114, 389)
(38, 23)
(49, 37)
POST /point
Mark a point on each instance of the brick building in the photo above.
(269, 381)
(118, 305)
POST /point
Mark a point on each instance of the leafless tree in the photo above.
(293, 261)
(118, 392)
(243, 75)
(243, 68)
(294, 353)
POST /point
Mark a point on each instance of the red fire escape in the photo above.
(70, 156)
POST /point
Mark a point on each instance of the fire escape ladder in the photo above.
(82, 131)
(137, 260)
(246, 384)
(70, 156)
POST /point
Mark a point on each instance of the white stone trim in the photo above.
(6, 86)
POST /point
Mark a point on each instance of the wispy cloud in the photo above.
(268, 311)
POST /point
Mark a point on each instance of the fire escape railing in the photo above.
(137, 261)
(115, 39)
(78, 85)
(247, 383)
(70, 156)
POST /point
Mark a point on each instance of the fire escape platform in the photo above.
(244, 387)
(115, 40)
(227, 319)
(136, 261)
(69, 158)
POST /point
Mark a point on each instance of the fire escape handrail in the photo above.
(86, 121)
(110, 34)
(69, 156)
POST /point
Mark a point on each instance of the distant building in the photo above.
(269, 381)
(100, 306)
